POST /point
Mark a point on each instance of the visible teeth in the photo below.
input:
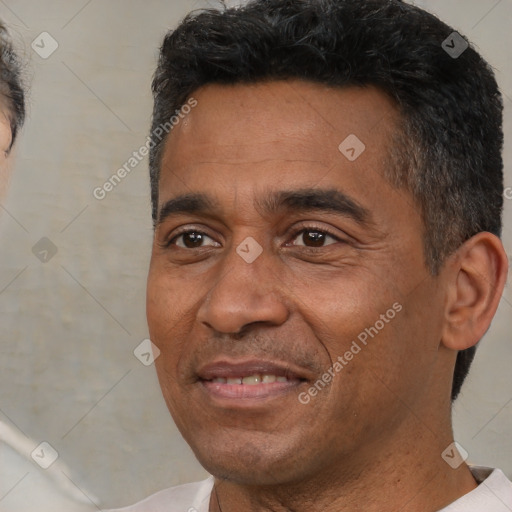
(251, 380)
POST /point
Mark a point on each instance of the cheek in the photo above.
(167, 303)
(340, 307)
(396, 360)
(171, 312)
(365, 329)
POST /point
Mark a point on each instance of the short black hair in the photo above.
(11, 84)
(447, 151)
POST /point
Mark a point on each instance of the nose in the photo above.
(244, 294)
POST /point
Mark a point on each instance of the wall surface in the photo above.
(73, 267)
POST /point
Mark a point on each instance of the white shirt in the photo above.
(493, 494)
(26, 487)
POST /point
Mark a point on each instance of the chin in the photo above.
(246, 461)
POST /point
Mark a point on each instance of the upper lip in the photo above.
(226, 369)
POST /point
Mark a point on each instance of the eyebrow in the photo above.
(300, 200)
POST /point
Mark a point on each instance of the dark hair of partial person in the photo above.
(447, 151)
(12, 93)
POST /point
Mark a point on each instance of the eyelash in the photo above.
(293, 236)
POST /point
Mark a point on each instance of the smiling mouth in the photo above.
(246, 381)
(249, 388)
(251, 380)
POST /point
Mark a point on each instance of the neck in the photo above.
(398, 473)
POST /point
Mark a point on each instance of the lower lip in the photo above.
(248, 392)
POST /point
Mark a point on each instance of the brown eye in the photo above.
(313, 238)
(190, 240)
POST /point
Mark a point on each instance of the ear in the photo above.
(477, 273)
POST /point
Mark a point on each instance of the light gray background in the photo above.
(69, 326)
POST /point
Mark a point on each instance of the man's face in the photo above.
(295, 249)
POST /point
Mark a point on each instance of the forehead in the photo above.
(289, 119)
(243, 139)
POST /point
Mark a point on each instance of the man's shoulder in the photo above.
(493, 494)
(192, 497)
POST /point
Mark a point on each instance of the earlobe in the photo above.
(477, 273)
